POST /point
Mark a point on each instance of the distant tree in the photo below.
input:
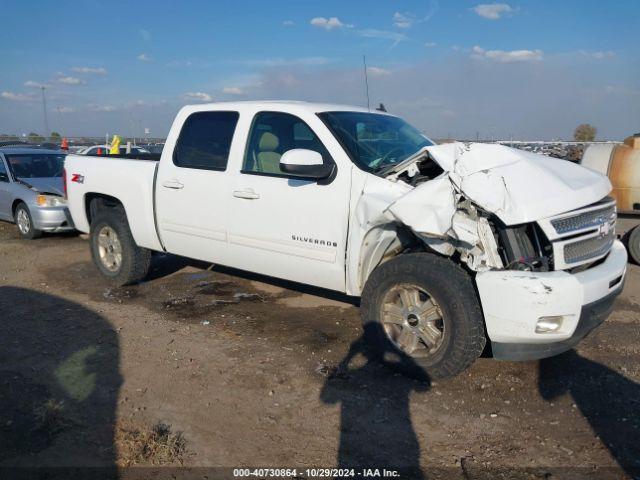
(35, 138)
(585, 133)
(55, 136)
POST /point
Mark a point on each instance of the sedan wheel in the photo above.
(23, 221)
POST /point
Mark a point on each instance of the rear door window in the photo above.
(205, 140)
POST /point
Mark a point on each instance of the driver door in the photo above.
(283, 226)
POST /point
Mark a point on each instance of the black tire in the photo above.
(135, 260)
(31, 233)
(451, 288)
(633, 245)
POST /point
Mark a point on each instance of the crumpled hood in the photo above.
(46, 185)
(517, 186)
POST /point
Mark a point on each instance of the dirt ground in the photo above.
(243, 369)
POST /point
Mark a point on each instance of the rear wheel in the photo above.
(426, 308)
(633, 244)
(24, 222)
(114, 250)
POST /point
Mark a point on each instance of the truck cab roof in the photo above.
(280, 105)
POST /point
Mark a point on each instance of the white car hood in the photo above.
(517, 186)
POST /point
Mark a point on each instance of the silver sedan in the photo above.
(32, 190)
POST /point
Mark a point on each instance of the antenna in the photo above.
(47, 132)
(366, 80)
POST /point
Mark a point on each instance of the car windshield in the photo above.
(375, 141)
(36, 165)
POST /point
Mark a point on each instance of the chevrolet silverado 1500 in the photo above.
(448, 246)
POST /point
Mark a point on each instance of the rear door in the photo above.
(282, 226)
(192, 188)
(5, 195)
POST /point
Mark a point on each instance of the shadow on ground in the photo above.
(373, 389)
(59, 383)
(609, 401)
(166, 264)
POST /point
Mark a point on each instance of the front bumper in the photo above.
(514, 301)
(51, 219)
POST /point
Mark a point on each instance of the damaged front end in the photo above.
(484, 201)
(537, 235)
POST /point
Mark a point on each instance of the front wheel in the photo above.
(24, 223)
(424, 307)
(114, 250)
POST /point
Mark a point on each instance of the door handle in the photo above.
(175, 184)
(249, 194)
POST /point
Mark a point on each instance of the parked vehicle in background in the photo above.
(442, 242)
(155, 148)
(104, 150)
(621, 163)
(31, 190)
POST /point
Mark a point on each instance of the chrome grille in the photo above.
(590, 248)
(584, 220)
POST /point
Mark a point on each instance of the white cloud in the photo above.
(329, 23)
(403, 20)
(145, 35)
(395, 37)
(288, 23)
(504, 56)
(621, 90)
(65, 109)
(198, 96)
(69, 80)
(102, 108)
(16, 97)
(378, 72)
(90, 70)
(430, 44)
(32, 84)
(493, 11)
(143, 57)
(180, 64)
(599, 55)
(233, 91)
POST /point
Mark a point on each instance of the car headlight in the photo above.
(50, 201)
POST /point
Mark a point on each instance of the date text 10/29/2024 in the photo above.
(316, 472)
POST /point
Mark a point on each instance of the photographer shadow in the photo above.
(609, 401)
(59, 384)
(375, 420)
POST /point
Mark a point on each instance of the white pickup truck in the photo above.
(447, 245)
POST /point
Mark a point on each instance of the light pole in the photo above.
(47, 132)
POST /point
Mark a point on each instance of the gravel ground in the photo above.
(245, 369)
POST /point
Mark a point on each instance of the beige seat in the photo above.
(268, 160)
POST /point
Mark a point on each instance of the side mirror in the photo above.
(305, 164)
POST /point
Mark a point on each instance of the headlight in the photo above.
(50, 201)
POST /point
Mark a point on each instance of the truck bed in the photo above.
(129, 179)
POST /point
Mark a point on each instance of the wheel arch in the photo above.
(380, 244)
(14, 206)
(96, 202)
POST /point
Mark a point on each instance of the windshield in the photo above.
(375, 141)
(36, 165)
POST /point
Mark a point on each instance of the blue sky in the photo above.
(528, 69)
